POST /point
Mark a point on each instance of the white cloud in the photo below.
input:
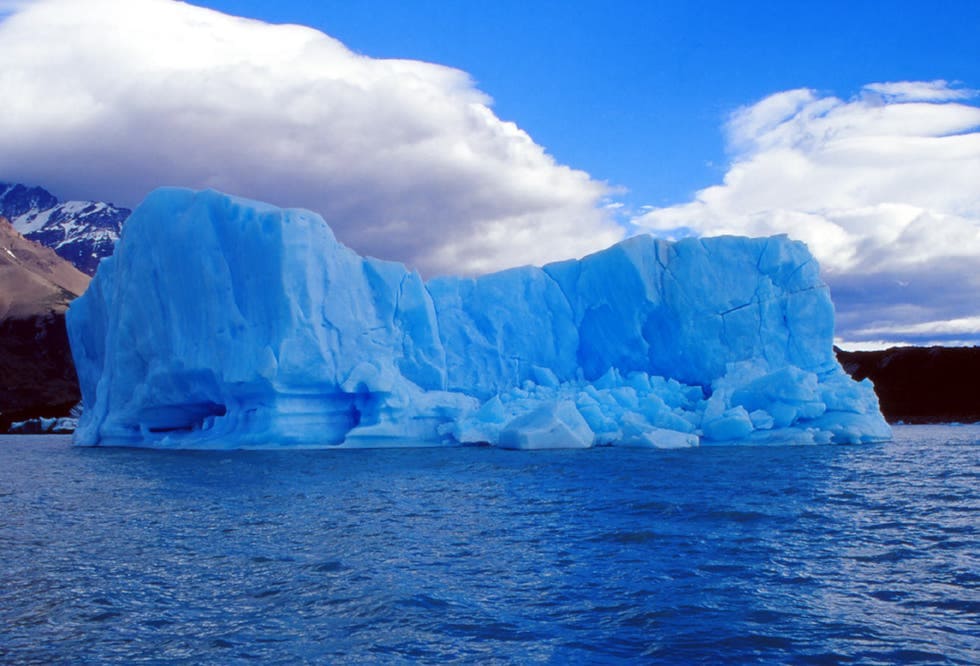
(882, 187)
(956, 327)
(8, 7)
(918, 91)
(405, 159)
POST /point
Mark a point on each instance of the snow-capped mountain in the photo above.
(80, 231)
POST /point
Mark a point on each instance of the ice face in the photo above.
(226, 323)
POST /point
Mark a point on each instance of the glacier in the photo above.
(221, 322)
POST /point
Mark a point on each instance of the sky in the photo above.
(466, 137)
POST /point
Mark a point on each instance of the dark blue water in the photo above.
(818, 555)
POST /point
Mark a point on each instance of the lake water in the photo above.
(828, 554)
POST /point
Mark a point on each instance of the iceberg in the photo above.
(221, 322)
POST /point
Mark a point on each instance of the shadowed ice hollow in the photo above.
(226, 323)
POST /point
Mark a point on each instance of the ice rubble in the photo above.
(226, 323)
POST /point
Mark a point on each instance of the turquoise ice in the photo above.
(221, 322)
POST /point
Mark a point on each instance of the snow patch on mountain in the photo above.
(83, 232)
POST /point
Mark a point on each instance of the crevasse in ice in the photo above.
(226, 323)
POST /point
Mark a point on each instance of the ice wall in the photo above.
(226, 323)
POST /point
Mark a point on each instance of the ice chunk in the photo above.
(762, 420)
(549, 426)
(637, 432)
(226, 323)
(732, 424)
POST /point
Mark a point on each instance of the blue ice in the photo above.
(221, 322)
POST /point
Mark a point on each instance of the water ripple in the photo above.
(723, 555)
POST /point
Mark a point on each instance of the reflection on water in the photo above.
(748, 555)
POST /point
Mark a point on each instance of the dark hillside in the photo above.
(37, 376)
(921, 384)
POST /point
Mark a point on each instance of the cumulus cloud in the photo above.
(883, 187)
(111, 98)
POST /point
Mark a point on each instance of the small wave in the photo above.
(889, 595)
(655, 508)
(328, 566)
(737, 516)
(890, 556)
(627, 537)
(425, 602)
(970, 607)
(104, 616)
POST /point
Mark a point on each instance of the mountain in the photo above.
(82, 232)
(37, 375)
(921, 384)
(34, 280)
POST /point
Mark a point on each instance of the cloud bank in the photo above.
(111, 98)
(883, 187)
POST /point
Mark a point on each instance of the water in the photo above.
(817, 555)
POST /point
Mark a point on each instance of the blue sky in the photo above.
(509, 133)
(635, 93)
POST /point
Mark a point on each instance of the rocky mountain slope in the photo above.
(81, 232)
(37, 376)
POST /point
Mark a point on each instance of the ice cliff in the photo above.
(226, 323)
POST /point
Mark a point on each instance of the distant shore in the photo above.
(921, 384)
